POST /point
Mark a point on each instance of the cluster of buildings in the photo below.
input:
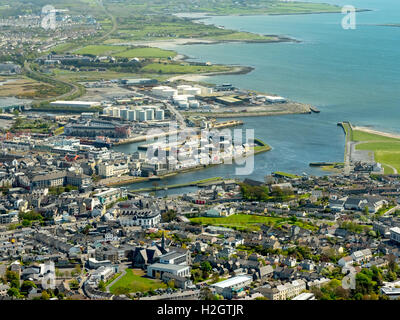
(107, 230)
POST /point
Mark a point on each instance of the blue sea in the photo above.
(350, 75)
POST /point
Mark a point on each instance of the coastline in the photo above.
(205, 15)
(290, 108)
(167, 44)
(260, 148)
(197, 77)
(380, 133)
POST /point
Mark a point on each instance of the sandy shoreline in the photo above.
(202, 76)
(170, 44)
(384, 134)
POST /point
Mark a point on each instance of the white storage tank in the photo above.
(158, 90)
(194, 104)
(169, 92)
(116, 112)
(159, 114)
(131, 115)
(192, 91)
(137, 115)
(183, 105)
(150, 114)
(142, 115)
(164, 91)
(182, 87)
(124, 114)
(179, 98)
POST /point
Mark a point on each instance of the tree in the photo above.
(27, 285)
(341, 293)
(168, 216)
(13, 292)
(73, 284)
(45, 296)
(102, 286)
(61, 296)
(364, 283)
(206, 294)
(171, 284)
(215, 277)
(205, 266)
(78, 269)
(11, 275)
(15, 284)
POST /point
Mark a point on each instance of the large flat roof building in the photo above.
(79, 104)
(178, 270)
(229, 287)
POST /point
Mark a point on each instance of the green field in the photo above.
(387, 153)
(134, 281)
(126, 52)
(222, 7)
(386, 149)
(249, 222)
(100, 50)
(171, 68)
(366, 136)
(146, 53)
(286, 174)
(68, 76)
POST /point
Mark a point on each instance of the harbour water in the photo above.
(351, 75)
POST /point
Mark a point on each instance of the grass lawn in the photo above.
(126, 51)
(172, 68)
(286, 174)
(134, 281)
(366, 136)
(100, 50)
(69, 76)
(249, 222)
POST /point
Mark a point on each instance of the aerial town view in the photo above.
(174, 150)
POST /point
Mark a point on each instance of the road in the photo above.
(393, 168)
(178, 115)
(113, 20)
(75, 89)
